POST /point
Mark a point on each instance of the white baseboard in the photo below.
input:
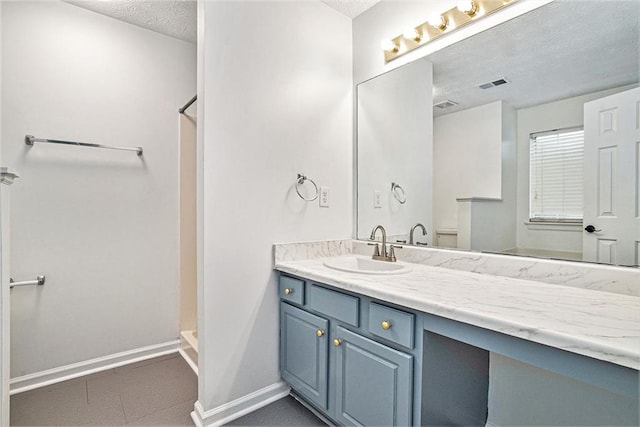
(68, 372)
(237, 408)
(189, 361)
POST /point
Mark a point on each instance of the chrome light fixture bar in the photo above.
(438, 25)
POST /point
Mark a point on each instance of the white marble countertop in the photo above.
(601, 325)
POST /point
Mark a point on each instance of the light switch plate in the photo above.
(377, 201)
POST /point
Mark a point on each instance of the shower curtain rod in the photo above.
(30, 140)
(188, 104)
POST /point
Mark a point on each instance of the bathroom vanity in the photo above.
(351, 357)
(434, 346)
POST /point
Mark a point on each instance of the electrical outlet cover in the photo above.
(324, 197)
(377, 199)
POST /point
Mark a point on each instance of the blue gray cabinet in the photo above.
(374, 382)
(304, 353)
(361, 361)
(360, 379)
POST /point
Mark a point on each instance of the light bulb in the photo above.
(388, 45)
(468, 7)
(437, 21)
(412, 34)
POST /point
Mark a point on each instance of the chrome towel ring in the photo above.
(398, 193)
(300, 181)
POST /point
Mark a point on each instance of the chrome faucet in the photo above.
(424, 232)
(383, 255)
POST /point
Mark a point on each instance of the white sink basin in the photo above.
(354, 264)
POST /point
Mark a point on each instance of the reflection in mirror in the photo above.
(394, 152)
(496, 97)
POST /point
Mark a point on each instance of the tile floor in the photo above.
(158, 391)
(284, 412)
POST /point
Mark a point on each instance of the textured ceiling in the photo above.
(175, 18)
(563, 49)
(351, 8)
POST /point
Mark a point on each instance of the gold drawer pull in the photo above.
(288, 291)
(386, 325)
(337, 342)
(320, 333)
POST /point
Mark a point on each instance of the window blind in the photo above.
(556, 168)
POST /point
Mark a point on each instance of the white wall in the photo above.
(525, 395)
(274, 100)
(507, 212)
(467, 154)
(554, 115)
(395, 144)
(101, 225)
(486, 222)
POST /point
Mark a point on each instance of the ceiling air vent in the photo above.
(445, 104)
(499, 82)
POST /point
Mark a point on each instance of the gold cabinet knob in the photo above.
(386, 325)
(320, 333)
(288, 291)
(337, 342)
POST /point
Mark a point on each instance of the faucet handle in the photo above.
(376, 251)
(392, 253)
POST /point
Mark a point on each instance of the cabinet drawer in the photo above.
(291, 290)
(334, 304)
(391, 324)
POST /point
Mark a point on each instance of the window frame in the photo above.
(558, 220)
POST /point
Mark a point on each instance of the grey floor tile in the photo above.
(50, 406)
(150, 372)
(148, 387)
(106, 412)
(179, 415)
(157, 392)
(284, 412)
(167, 368)
(63, 405)
(141, 399)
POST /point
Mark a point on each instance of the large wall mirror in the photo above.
(512, 141)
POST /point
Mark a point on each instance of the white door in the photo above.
(612, 179)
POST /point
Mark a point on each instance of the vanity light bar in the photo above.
(440, 24)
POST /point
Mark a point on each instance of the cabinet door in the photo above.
(303, 353)
(373, 382)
